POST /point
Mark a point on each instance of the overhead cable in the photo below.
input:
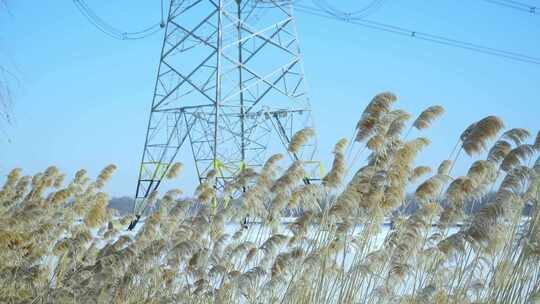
(420, 35)
(112, 31)
(515, 5)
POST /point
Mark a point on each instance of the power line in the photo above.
(368, 9)
(420, 35)
(112, 31)
(516, 2)
(327, 11)
(531, 9)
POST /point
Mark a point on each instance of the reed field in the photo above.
(59, 243)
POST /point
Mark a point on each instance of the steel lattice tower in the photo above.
(230, 84)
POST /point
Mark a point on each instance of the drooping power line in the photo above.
(520, 6)
(368, 9)
(316, 11)
(325, 10)
(112, 31)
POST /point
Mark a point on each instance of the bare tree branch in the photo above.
(6, 104)
(5, 96)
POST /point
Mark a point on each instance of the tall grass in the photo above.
(59, 243)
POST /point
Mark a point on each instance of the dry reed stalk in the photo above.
(63, 245)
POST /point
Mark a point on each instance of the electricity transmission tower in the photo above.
(230, 84)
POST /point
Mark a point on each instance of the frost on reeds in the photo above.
(473, 238)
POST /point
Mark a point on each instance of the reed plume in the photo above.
(427, 116)
(299, 139)
(516, 156)
(379, 105)
(419, 172)
(334, 177)
(60, 243)
(97, 212)
(398, 123)
(444, 167)
(475, 137)
(516, 135)
(499, 151)
(104, 176)
(174, 170)
(429, 190)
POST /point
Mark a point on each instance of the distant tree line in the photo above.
(124, 205)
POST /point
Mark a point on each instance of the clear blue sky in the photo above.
(82, 99)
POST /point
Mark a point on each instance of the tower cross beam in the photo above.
(188, 33)
(183, 81)
(187, 79)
